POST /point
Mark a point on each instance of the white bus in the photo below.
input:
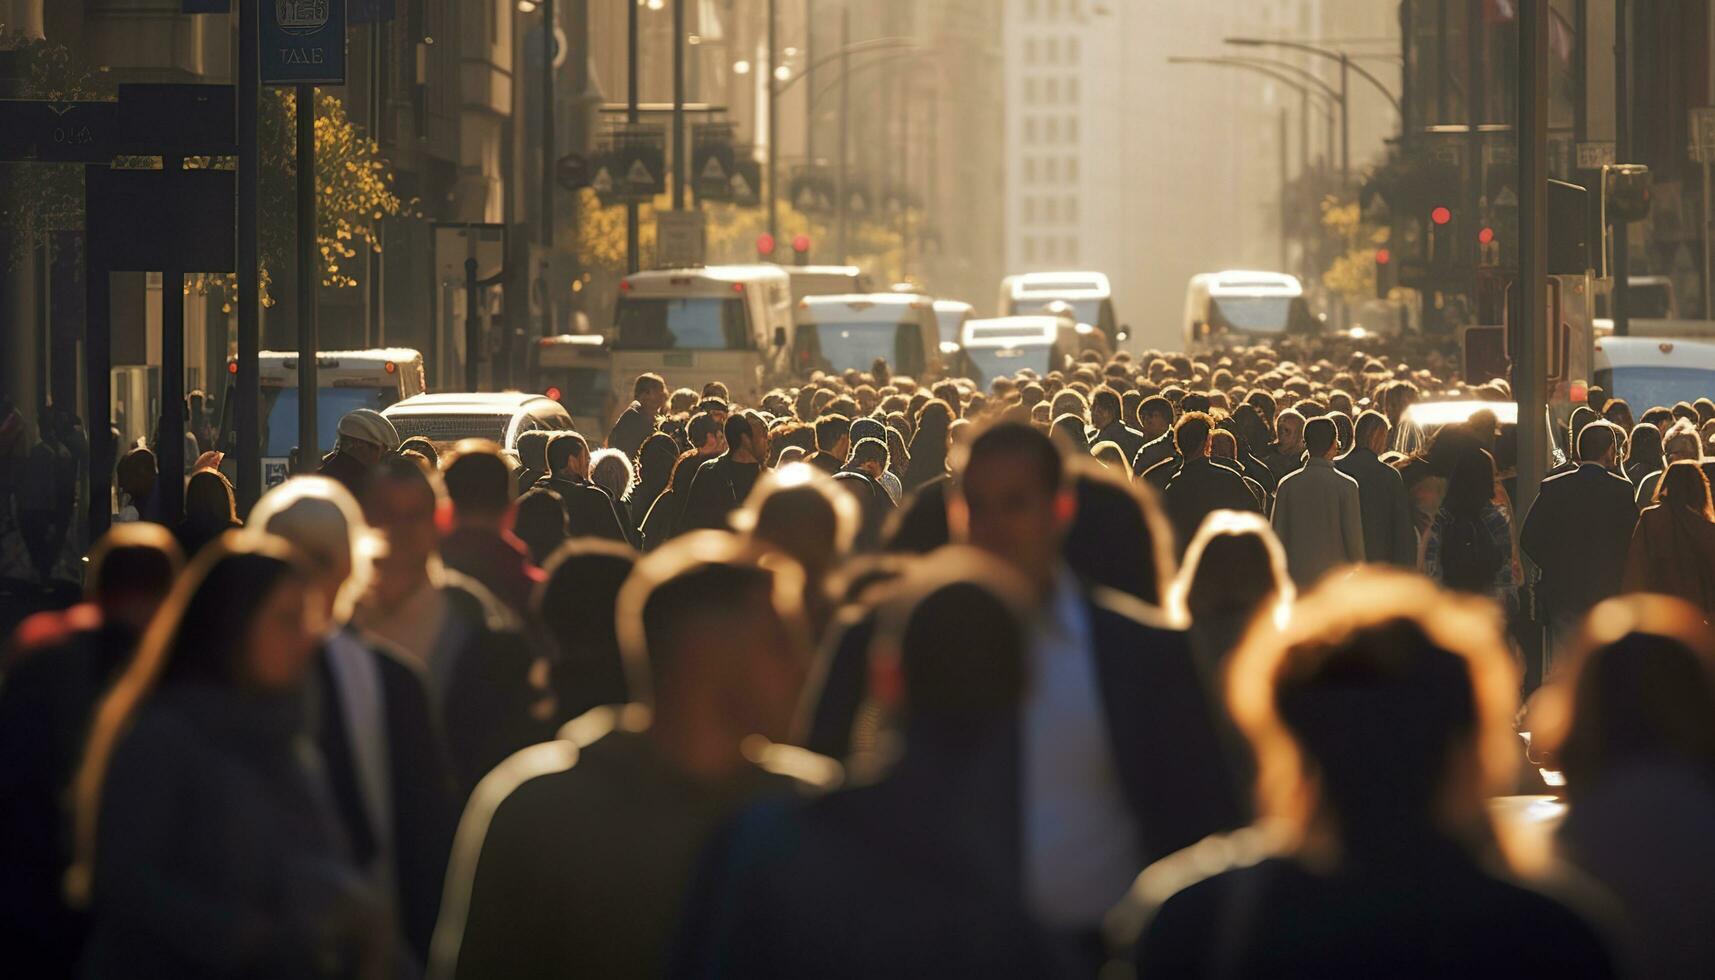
(1239, 308)
(1006, 345)
(836, 334)
(731, 324)
(1651, 371)
(576, 370)
(345, 380)
(1089, 295)
(826, 280)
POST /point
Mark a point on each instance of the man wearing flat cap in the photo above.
(364, 437)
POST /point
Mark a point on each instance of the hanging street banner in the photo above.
(813, 190)
(745, 186)
(630, 166)
(712, 164)
(302, 42)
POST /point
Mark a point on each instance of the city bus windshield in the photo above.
(840, 347)
(692, 323)
(992, 362)
(280, 414)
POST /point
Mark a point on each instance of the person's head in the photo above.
(479, 484)
(1484, 424)
(655, 460)
(1012, 501)
(365, 435)
(1684, 485)
(1640, 691)
(1471, 486)
(1289, 431)
(136, 474)
(1371, 432)
(833, 435)
(611, 470)
(1191, 434)
(682, 401)
(716, 391)
(1619, 412)
(422, 447)
(713, 637)
(1659, 417)
(798, 511)
(208, 500)
(131, 569)
(870, 457)
(400, 503)
(1681, 442)
(1596, 444)
(575, 605)
(1105, 407)
(569, 456)
(707, 436)
(741, 438)
(1068, 431)
(323, 521)
(540, 522)
(1321, 438)
(1119, 537)
(934, 429)
(1382, 711)
(1644, 450)
(1223, 445)
(533, 450)
(1234, 568)
(650, 392)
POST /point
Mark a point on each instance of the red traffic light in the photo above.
(800, 243)
(1383, 256)
(1486, 236)
(1441, 214)
(765, 244)
(553, 393)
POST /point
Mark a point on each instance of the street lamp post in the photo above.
(632, 247)
(773, 121)
(1347, 67)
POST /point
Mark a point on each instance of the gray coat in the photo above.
(1389, 536)
(1319, 520)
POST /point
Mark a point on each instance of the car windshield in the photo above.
(1646, 387)
(992, 362)
(1083, 310)
(1252, 314)
(280, 414)
(855, 346)
(950, 325)
(692, 323)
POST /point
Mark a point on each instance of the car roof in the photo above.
(395, 354)
(869, 299)
(713, 273)
(952, 306)
(1436, 414)
(495, 402)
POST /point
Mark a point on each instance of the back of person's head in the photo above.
(422, 447)
(647, 384)
(1191, 434)
(136, 472)
(1068, 430)
(1382, 710)
(575, 605)
(1157, 408)
(701, 428)
(563, 448)
(477, 479)
(610, 469)
(715, 389)
(919, 526)
(1320, 435)
(1680, 442)
(324, 523)
(1196, 401)
(1684, 485)
(1234, 567)
(1595, 441)
(737, 430)
(1471, 486)
(540, 522)
(1369, 424)
(208, 500)
(1011, 439)
(1645, 447)
(830, 429)
(1107, 400)
(866, 451)
(533, 450)
(130, 572)
(1119, 538)
(798, 511)
(1640, 691)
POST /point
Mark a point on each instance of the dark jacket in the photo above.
(1124, 436)
(1390, 537)
(590, 512)
(1577, 533)
(1201, 487)
(633, 426)
(421, 792)
(219, 852)
(1153, 452)
(348, 470)
(497, 560)
(719, 487)
(1281, 464)
(1673, 553)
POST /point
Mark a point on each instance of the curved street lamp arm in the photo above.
(1339, 56)
(856, 47)
(1264, 68)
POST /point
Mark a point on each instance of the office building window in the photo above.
(1071, 168)
(1032, 8)
(1030, 91)
(1071, 90)
(1029, 249)
(1051, 169)
(1072, 129)
(1051, 207)
(1051, 248)
(1053, 129)
(1051, 51)
(1029, 210)
(1072, 51)
(1030, 169)
(1029, 130)
(1069, 210)
(1051, 91)
(1070, 250)
(1030, 51)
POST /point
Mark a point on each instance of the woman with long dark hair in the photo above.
(206, 841)
(1673, 546)
(1643, 453)
(930, 444)
(209, 511)
(656, 459)
(1469, 546)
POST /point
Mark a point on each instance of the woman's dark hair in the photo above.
(1644, 454)
(1471, 485)
(1068, 429)
(208, 500)
(920, 524)
(962, 652)
(540, 522)
(576, 604)
(656, 460)
(1235, 573)
(1119, 538)
(1683, 484)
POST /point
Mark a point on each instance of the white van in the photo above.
(1089, 294)
(498, 416)
(1651, 371)
(826, 280)
(1239, 308)
(1006, 345)
(842, 333)
(730, 324)
(345, 381)
(576, 370)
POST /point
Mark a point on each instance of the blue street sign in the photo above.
(302, 42)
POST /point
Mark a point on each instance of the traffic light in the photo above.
(765, 246)
(1444, 250)
(801, 249)
(1387, 277)
(1625, 193)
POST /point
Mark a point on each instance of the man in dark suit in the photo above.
(1202, 485)
(1389, 536)
(1156, 418)
(1577, 532)
(637, 422)
(590, 512)
(1119, 761)
(1107, 415)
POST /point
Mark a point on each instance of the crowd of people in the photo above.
(1156, 664)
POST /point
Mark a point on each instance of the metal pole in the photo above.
(843, 189)
(1530, 373)
(472, 331)
(1285, 184)
(309, 454)
(809, 76)
(1303, 130)
(678, 105)
(1623, 135)
(633, 248)
(170, 447)
(246, 388)
(1345, 120)
(376, 325)
(550, 146)
(773, 126)
(1407, 24)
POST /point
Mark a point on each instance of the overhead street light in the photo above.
(1347, 66)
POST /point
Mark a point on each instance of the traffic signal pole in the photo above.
(632, 246)
(1623, 137)
(1530, 370)
(247, 384)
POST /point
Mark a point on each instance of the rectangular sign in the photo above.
(152, 221)
(1595, 155)
(58, 132)
(678, 239)
(302, 42)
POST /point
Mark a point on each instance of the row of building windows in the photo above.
(1051, 170)
(1050, 129)
(1053, 9)
(1050, 210)
(1050, 248)
(1050, 90)
(1051, 51)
